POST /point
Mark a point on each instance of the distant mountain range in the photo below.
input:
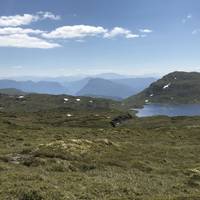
(98, 87)
(113, 86)
(174, 88)
(34, 87)
(65, 79)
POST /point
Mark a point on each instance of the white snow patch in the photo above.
(151, 95)
(175, 78)
(78, 100)
(166, 86)
(69, 115)
(65, 99)
(21, 97)
(91, 101)
(146, 101)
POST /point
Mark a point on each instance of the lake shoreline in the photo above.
(170, 110)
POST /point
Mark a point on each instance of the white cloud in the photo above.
(16, 20)
(19, 37)
(18, 30)
(19, 20)
(76, 31)
(34, 38)
(118, 31)
(146, 31)
(82, 31)
(12, 35)
(48, 15)
(25, 41)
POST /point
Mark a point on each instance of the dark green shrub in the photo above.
(30, 195)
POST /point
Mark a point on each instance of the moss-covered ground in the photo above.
(53, 156)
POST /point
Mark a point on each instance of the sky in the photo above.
(71, 37)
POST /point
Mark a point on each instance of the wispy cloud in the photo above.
(118, 31)
(187, 18)
(26, 19)
(48, 15)
(196, 31)
(146, 30)
(18, 30)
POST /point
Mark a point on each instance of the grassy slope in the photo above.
(48, 155)
(38, 102)
(11, 91)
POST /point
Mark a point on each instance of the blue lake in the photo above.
(169, 110)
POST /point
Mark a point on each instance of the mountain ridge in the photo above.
(34, 87)
(174, 88)
(105, 88)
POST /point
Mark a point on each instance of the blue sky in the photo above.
(67, 37)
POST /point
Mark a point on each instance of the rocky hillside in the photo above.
(174, 88)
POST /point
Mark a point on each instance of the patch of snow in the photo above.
(69, 115)
(146, 101)
(91, 101)
(20, 97)
(78, 100)
(65, 99)
(175, 78)
(166, 86)
(151, 95)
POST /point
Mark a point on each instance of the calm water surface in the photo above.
(169, 110)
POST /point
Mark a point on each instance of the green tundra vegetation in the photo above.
(64, 148)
